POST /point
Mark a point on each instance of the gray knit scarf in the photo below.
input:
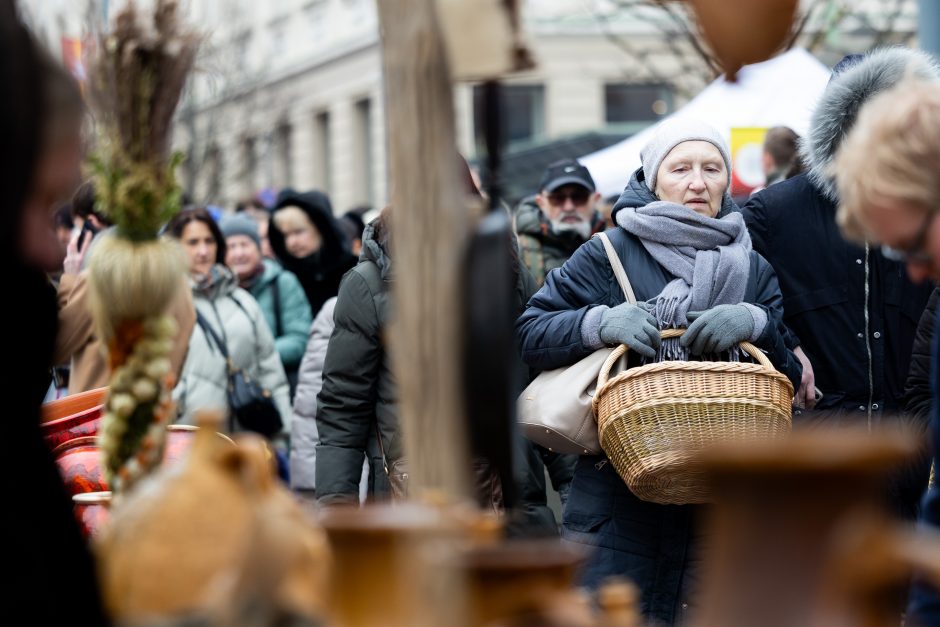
(709, 257)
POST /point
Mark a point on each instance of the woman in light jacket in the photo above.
(236, 318)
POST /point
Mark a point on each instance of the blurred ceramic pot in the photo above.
(81, 424)
(91, 511)
(179, 441)
(79, 462)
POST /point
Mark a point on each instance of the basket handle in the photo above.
(666, 334)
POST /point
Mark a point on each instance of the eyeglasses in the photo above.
(914, 253)
(577, 196)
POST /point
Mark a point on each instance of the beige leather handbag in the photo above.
(555, 409)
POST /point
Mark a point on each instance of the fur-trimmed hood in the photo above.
(839, 106)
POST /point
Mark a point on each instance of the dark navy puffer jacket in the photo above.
(550, 328)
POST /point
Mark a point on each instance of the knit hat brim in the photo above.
(670, 134)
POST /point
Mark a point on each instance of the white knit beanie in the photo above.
(670, 134)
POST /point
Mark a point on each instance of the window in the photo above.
(626, 103)
(282, 156)
(323, 172)
(364, 151)
(315, 13)
(523, 114)
(279, 37)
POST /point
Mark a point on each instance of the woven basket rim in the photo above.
(728, 367)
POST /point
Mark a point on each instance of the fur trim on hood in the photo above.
(839, 105)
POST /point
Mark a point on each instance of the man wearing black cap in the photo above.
(561, 217)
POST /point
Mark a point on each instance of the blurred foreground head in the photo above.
(887, 176)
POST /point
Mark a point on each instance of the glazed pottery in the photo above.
(79, 462)
(82, 424)
(91, 511)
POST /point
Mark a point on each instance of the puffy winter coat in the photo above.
(237, 319)
(320, 272)
(292, 318)
(657, 546)
(358, 401)
(924, 608)
(304, 435)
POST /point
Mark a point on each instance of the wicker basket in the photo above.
(653, 418)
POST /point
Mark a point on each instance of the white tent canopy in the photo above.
(780, 92)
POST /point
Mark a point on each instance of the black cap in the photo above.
(566, 172)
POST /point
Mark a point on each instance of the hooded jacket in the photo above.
(237, 319)
(357, 403)
(294, 316)
(320, 272)
(541, 249)
(852, 311)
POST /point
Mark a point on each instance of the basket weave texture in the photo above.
(654, 418)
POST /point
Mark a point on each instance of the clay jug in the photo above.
(380, 567)
(796, 527)
(91, 511)
(740, 33)
(224, 536)
(82, 424)
(517, 578)
(79, 462)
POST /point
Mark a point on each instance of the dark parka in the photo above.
(320, 272)
(654, 545)
(910, 482)
(853, 312)
(358, 398)
(924, 607)
(359, 395)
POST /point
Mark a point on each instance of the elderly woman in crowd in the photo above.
(688, 256)
(277, 291)
(887, 175)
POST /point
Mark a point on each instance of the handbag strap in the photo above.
(619, 272)
(211, 334)
(276, 293)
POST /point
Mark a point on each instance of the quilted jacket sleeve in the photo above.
(304, 435)
(296, 319)
(347, 401)
(772, 340)
(917, 389)
(549, 329)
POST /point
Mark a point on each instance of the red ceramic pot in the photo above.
(179, 439)
(79, 463)
(91, 511)
(84, 423)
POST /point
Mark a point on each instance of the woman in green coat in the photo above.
(277, 290)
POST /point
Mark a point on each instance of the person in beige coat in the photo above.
(77, 342)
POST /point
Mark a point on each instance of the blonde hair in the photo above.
(287, 218)
(891, 154)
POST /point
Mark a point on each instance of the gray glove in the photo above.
(631, 325)
(720, 328)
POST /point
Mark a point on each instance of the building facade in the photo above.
(290, 93)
